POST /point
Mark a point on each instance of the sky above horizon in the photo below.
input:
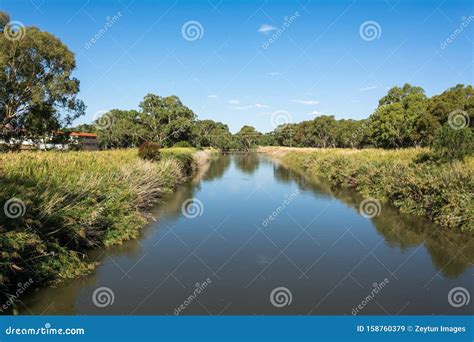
(242, 62)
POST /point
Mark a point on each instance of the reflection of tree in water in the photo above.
(451, 252)
(217, 168)
(247, 163)
(284, 174)
(407, 231)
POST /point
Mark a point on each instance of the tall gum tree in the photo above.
(37, 91)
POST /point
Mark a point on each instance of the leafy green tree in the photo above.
(397, 94)
(209, 133)
(248, 137)
(267, 139)
(120, 128)
(402, 119)
(284, 134)
(165, 119)
(453, 144)
(324, 128)
(344, 134)
(386, 126)
(458, 98)
(37, 90)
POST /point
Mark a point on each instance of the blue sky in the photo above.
(321, 61)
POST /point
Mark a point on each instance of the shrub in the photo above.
(149, 151)
(184, 157)
(182, 143)
(185, 161)
(450, 144)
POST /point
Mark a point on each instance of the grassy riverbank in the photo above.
(441, 192)
(56, 206)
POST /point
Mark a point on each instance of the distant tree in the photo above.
(346, 133)
(267, 139)
(453, 144)
(397, 94)
(402, 119)
(386, 126)
(248, 137)
(37, 91)
(209, 133)
(120, 128)
(324, 128)
(458, 98)
(165, 119)
(284, 134)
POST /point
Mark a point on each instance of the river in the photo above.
(249, 236)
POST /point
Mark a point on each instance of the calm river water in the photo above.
(259, 238)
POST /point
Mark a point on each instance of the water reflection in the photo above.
(248, 163)
(451, 252)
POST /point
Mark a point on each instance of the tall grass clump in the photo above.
(442, 192)
(72, 202)
(184, 156)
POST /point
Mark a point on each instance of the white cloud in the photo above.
(234, 102)
(242, 107)
(247, 107)
(274, 73)
(315, 112)
(265, 28)
(306, 102)
(212, 96)
(368, 88)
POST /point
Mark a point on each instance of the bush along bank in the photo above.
(56, 206)
(443, 192)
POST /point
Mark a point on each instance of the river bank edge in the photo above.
(62, 205)
(440, 192)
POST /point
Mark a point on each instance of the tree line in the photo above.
(405, 117)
